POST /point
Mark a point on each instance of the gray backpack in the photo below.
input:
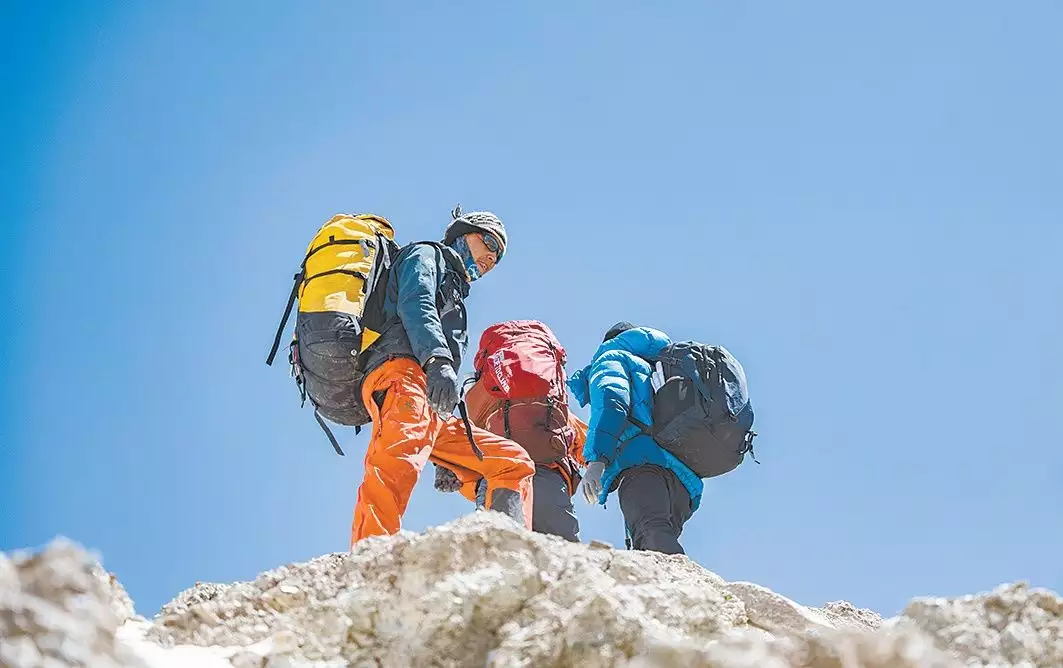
(701, 408)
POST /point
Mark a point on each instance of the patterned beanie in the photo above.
(475, 221)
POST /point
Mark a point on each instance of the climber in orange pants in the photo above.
(410, 387)
(407, 434)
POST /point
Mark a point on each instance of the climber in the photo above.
(658, 493)
(519, 392)
(411, 384)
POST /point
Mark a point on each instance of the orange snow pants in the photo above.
(407, 434)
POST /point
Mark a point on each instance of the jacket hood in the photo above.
(644, 342)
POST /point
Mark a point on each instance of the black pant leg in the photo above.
(655, 505)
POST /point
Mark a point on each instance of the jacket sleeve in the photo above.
(420, 275)
(580, 427)
(610, 390)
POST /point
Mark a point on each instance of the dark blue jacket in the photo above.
(617, 385)
(424, 307)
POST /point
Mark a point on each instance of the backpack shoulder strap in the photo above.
(643, 427)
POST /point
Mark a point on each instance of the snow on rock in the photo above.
(482, 591)
(775, 613)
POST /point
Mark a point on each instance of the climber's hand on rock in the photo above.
(446, 481)
(592, 481)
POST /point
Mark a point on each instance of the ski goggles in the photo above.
(493, 245)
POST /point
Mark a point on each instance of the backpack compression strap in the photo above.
(468, 430)
(328, 432)
(284, 318)
(333, 241)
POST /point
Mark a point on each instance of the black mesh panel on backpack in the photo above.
(691, 414)
(328, 347)
(327, 352)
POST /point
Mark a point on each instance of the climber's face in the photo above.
(485, 250)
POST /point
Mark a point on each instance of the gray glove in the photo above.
(592, 482)
(446, 481)
(442, 386)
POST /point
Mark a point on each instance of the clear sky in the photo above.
(862, 201)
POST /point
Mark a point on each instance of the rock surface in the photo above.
(1012, 625)
(482, 591)
(60, 608)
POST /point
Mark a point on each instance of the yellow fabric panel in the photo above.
(340, 292)
(368, 337)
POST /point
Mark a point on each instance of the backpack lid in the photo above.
(511, 333)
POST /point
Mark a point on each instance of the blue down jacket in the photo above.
(616, 384)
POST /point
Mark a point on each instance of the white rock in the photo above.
(775, 613)
(482, 591)
(60, 608)
(1010, 625)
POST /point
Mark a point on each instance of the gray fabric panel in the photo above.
(552, 506)
(655, 506)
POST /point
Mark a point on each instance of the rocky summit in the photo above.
(482, 591)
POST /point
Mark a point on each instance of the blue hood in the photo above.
(642, 342)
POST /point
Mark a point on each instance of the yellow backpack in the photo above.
(340, 290)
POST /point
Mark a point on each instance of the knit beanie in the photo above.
(617, 329)
(475, 221)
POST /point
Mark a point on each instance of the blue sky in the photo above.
(863, 203)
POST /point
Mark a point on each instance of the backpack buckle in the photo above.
(750, 435)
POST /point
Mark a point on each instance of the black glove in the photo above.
(442, 386)
(446, 481)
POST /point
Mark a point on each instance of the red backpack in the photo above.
(520, 364)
